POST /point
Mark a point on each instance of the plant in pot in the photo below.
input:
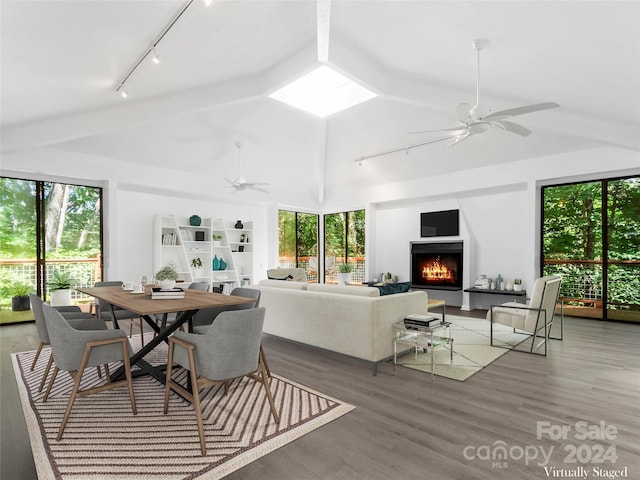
(196, 263)
(167, 276)
(344, 273)
(19, 292)
(217, 239)
(388, 278)
(517, 285)
(60, 288)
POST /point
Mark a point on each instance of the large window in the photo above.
(344, 235)
(47, 226)
(298, 242)
(591, 237)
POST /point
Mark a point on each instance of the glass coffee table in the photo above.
(425, 338)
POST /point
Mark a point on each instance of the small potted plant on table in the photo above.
(167, 276)
(517, 285)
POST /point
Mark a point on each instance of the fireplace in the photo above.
(436, 265)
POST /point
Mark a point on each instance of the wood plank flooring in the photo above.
(406, 427)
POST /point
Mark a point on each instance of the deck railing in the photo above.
(84, 271)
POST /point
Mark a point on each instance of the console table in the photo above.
(511, 293)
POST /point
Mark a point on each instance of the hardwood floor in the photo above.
(406, 427)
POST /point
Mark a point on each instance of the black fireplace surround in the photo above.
(436, 265)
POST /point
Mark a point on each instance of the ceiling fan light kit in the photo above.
(473, 119)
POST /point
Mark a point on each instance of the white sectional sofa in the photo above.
(351, 320)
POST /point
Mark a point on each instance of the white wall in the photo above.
(499, 207)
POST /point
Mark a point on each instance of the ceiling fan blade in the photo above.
(452, 129)
(512, 127)
(510, 112)
(460, 138)
(463, 111)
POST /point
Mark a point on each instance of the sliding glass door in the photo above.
(591, 237)
(48, 227)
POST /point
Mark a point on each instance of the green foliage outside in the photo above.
(344, 237)
(71, 230)
(72, 219)
(573, 230)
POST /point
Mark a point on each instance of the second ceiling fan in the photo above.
(473, 120)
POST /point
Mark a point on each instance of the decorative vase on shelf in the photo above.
(223, 264)
(239, 225)
(509, 286)
(195, 220)
(215, 265)
(499, 282)
(517, 287)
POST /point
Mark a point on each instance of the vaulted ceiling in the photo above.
(62, 60)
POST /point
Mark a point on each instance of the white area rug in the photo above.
(103, 439)
(471, 349)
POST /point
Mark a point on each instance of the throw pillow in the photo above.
(288, 277)
(392, 288)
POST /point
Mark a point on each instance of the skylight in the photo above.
(323, 92)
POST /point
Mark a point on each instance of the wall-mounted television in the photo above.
(445, 223)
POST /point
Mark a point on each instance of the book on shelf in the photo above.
(169, 239)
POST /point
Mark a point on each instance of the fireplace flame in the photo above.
(436, 271)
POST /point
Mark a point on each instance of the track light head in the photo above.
(155, 57)
(123, 93)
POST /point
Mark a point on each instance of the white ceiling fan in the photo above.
(473, 120)
(239, 183)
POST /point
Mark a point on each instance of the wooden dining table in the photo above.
(143, 305)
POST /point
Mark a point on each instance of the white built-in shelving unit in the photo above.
(213, 241)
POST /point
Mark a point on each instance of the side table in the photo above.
(426, 338)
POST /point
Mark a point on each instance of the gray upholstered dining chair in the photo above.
(206, 316)
(75, 350)
(76, 318)
(105, 313)
(230, 349)
(534, 319)
(165, 319)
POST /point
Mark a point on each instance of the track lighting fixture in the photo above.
(151, 50)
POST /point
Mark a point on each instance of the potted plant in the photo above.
(60, 288)
(217, 239)
(517, 285)
(196, 263)
(388, 278)
(344, 273)
(167, 276)
(19, 292)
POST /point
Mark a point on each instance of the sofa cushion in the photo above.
(344, 289)
(284, 284)
(392, 288)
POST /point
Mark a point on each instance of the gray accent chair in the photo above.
(105, 313)
(230, 349)
(75, 350)
(76, 318)
(534, 319)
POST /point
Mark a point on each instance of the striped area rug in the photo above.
(104, 440)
